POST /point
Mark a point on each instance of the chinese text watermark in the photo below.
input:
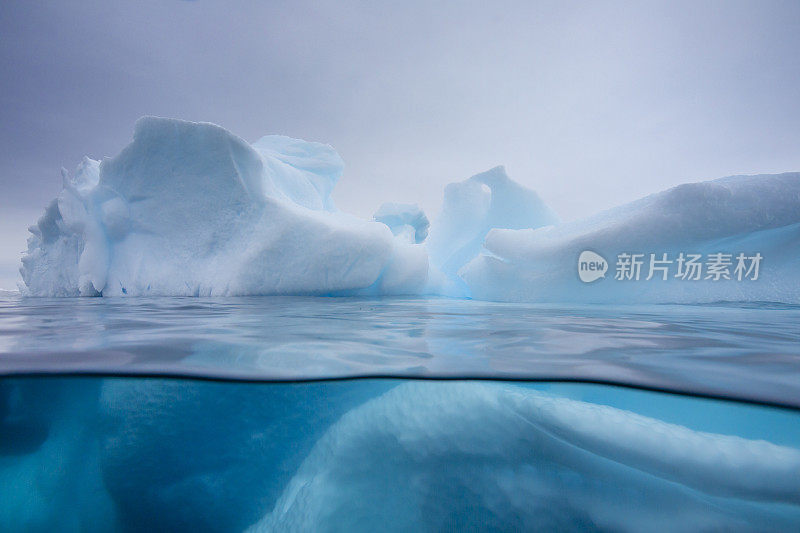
(683, 266)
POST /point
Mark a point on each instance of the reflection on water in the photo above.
(747, 351)
(85, 453)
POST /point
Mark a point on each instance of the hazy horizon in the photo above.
(591, 105)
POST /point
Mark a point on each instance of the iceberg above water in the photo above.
(191, 209)
(749, 215)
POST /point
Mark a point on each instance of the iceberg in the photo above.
(466, 456)
(190, 209)
(749, 215)
(81, 453)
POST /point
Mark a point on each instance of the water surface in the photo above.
(742, 351)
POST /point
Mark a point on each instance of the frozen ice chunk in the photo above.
(473, 207)
(191, 209)
(405, 220)
(736, 215)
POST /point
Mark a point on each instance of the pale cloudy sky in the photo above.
(590, 103)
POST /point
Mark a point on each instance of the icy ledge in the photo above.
(191, 209)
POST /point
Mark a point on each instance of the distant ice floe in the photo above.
(191, 209)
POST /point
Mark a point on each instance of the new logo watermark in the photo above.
(591, 266)
(684, 266)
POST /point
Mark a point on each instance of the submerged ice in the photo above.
(470, 456)
(191, 209)
(79, 454)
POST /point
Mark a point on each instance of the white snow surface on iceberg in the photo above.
(191, 209)
(466, 456)
(737, 214)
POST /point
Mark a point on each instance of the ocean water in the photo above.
(340, 414)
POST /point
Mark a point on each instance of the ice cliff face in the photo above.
(191, 209)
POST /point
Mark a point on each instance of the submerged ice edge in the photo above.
(190, 209)
(109, 365)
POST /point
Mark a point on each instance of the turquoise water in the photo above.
(311, 414)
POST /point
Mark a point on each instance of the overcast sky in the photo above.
(591, 104)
